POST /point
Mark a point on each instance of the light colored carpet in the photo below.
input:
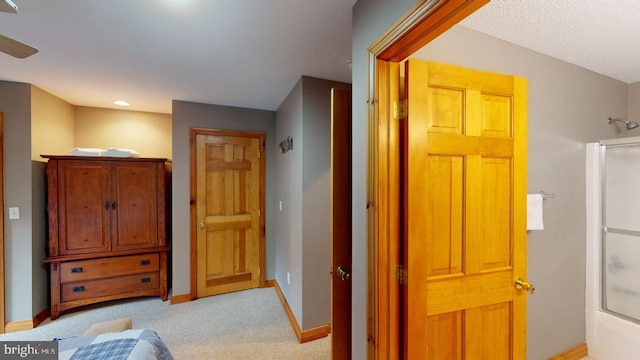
(249, 324)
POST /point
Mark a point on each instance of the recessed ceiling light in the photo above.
(121, 103)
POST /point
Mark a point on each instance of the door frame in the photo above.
(420, 25)
(2, 272)
(193, 132)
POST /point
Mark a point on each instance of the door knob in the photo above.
(523, 285)
(342, 273)
(201, 225)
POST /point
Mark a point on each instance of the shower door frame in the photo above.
(609, 336)
(604, 144)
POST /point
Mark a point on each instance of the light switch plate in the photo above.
(14, 213)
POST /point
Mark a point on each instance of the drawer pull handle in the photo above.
(106, 205)
(145, 262)
(78, 288)
(113, 205)
(76, 270)
(145, 280)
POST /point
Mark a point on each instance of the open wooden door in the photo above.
(341, 224)
(229, 210)
(2, 304)
(465, 204)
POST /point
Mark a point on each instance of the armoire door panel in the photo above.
(134, 206)
(84, 207)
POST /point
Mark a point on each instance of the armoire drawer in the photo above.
(108, 267)
(110, 286)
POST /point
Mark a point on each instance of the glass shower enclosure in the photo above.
(621, 230)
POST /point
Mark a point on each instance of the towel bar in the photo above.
(546, 196)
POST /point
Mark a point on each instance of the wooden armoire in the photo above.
(108, 228)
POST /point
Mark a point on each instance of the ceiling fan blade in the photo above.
(16, 48)
(8, 6)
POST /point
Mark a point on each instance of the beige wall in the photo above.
(51, 133)
(51, 125)
(147, 133)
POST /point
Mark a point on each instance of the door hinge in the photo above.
(401, 275)
(400, 109)
(259, 271)
(259, 213)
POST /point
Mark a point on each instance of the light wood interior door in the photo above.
(465, 213)
(229, 211)
(341, 224)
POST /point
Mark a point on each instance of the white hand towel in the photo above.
(534, 212)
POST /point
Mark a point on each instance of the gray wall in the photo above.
(568, 107)
(316, 198)
(187, 115)
(24, 107)
(289, 191)
(371, 18)
(303, 245)
(634, 103)
(15, 104)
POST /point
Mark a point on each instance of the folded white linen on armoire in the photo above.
(86, 151)
(116, 152)
(534, 212)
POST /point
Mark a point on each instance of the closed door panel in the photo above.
(229, 213)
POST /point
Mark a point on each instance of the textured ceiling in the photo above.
(599, 35)
(246, 53)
